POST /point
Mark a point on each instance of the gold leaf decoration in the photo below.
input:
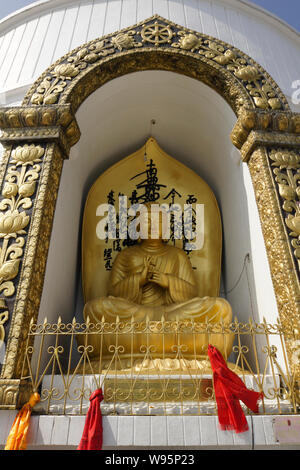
(157, 32)
(19, 187)
(12, 223)
(27, 154)
(9, 270)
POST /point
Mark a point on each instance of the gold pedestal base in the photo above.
(160, 389)
(157, 380)
(167, 366)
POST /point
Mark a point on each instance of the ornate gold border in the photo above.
(157, 43)
(38, 136)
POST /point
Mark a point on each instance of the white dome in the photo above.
(33, 38)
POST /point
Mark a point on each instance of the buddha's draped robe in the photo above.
(127, 298)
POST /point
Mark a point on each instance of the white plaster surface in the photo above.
(146, 432)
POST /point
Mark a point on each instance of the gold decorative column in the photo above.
(270, 143)
(36, 141)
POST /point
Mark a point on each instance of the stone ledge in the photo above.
(148, 432)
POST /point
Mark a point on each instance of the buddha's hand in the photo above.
(146, 269)
(160, 278)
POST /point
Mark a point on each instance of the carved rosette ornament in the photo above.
(39, 134)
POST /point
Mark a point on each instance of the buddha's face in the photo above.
(152, 223)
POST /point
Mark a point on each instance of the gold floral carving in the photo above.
(19, 186)
(283, 272)
(34, 259)
(286, 168)
(18, 189)
(223, 66)
(188, 41)
(125, 41)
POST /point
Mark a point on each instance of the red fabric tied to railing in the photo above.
(229, 389)
(92, 436)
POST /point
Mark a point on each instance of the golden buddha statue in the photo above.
(153, 281)
(150, 281)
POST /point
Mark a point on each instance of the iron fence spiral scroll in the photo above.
(60, 364)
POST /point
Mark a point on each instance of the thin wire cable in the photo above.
(250, 295)
(226, 292)
(152, 123)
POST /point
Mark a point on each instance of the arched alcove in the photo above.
(192, 123)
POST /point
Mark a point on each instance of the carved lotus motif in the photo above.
(230, 54)
(10, 190)
(99, 45)
(82, 53)
(27, 189)
(37, 98)
(293, 223)
(13, 222)
(260, 102)
(274, 103)
(9, 270)
(286, 160)
(225, 58)
(27, 154)
(123, 41)
(189, 41)
(92, 57)
(247, 73)
(287, 192)
(222, 59)
(51, 98)
(66, 71)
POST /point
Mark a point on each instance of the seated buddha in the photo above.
(151, 280)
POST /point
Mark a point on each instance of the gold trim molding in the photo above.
(267, 127)
(40, 123)
(157, 43)
(39, 134)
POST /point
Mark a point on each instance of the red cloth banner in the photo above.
(92, 436)
(229, 389)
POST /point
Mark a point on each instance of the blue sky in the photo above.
(288, 10)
